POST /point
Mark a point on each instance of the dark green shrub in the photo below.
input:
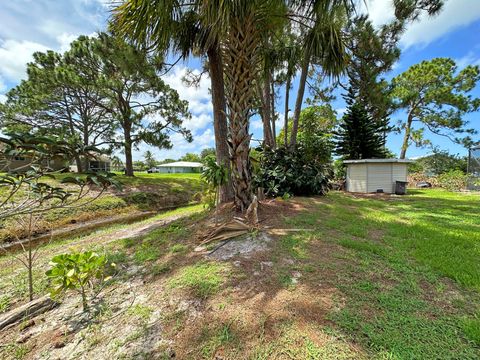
(284, 171)
(339, 169)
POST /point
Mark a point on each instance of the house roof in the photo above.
(362, 161)
(182, 164)
(99, 157)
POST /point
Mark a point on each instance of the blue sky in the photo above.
(38, 25)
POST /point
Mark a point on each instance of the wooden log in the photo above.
(27, 311)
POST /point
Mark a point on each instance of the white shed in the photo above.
(372, 175)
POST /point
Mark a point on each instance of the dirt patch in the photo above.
(243, 246)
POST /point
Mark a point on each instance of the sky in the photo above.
(28, 26)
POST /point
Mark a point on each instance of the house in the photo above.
(375, 175)
(97, 162)
(179, 167)
(22, 163)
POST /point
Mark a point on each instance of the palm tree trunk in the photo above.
(272, 108)
(219, 117)
(267, 113)
(285, 120)
(299, 101)
(78, 161)
(241, 62)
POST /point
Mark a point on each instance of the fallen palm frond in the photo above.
(228, 230)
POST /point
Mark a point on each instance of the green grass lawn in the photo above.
(408, 269)
(405, 270)
(361, 277)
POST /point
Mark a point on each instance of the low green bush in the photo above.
(78, 271)
(285, 171)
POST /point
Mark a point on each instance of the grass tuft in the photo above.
(203, 279)
(471, 328)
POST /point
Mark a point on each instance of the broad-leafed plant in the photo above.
(82, 272)
(216, 175)
(291, 171)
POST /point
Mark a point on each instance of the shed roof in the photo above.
(182, 164)
(362, 161)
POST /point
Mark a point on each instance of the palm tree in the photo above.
(237, 28)
(290, 55)
(241, 26)
(322, 43)
(233, 27)
(175, 25)
(149, 159)
(117, 163)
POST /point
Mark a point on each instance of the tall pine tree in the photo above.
(358, 136)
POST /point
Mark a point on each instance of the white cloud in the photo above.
(43, 21)
(14, 55)
(341, 111)
(379, 11)
(64, 41)
(454, 15)
(198, 122)
(470, 59)
(199, 97)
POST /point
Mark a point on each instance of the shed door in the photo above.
(379, 177)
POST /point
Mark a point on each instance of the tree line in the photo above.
(107, 90)
(103, 92)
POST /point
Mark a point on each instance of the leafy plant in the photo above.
(80, 272)
(291, 171)
(215, 175)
